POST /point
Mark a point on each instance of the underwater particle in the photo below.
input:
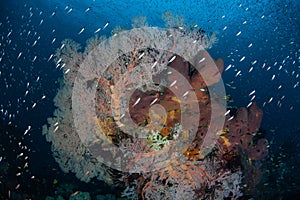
(55, 181)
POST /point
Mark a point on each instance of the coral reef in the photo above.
(67, 148)
(140, 113)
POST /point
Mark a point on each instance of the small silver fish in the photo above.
(99, 29)
(249, 105)
(51, 56)
(238, 73)
(270, 100)
(153, 101)
(202, 60)
(251, 92)
(172, 59)
(227, 112)
(34, 43)
(230, 118)
(173, 83)
(243, 58)
(154, 64)
(67, 71)
(41, 22)
(251, 68)
(87, 10)
(141, 55)
(81, 31)
(137, 101)
(228, 67)
(19, 55)
(273, 77)
(105, 25)
(70, 10)
(186, 93)
(34, 58)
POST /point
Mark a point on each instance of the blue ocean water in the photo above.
(258, 41)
